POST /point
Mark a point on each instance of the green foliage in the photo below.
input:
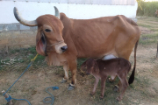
(148, 38)
(79, 62)
(16, 57)
(147, 8)
(32, 50)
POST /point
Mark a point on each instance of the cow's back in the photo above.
(102, 36)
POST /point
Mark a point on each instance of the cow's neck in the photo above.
(67, 32)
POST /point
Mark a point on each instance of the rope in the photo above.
(34, 58)
(18, 78)
(52, 97)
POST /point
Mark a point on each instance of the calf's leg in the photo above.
(117, 87)
(124, 86)
(103, 79)
(95, 86)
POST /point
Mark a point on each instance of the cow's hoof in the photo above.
(116, 88)
(64, 80)
(71, 87)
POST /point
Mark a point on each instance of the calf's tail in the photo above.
(131, 79)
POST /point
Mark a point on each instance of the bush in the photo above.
(147, 8)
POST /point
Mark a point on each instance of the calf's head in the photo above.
(49, 33)
(88, 66)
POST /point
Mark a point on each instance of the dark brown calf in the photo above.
(102, 69)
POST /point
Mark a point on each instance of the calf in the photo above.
(102, 69)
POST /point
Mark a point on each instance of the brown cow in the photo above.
(62, 40)
(101, 69)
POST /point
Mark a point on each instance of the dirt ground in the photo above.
(31, 86)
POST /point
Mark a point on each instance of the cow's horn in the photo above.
(23, 21)
(57, 14)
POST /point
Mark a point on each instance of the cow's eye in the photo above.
(47, 30)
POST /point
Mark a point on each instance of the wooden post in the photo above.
(6, 96)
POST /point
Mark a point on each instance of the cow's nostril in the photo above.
(64, 48)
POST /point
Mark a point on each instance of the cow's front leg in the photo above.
(73, 82)
(66, 70)
(73, 68)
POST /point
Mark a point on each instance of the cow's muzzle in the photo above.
(64, 48)
(60, 47)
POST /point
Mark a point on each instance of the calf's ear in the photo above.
(84, 64)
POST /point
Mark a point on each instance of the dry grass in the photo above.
(31, 86)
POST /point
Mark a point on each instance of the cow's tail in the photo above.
(131, 79)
